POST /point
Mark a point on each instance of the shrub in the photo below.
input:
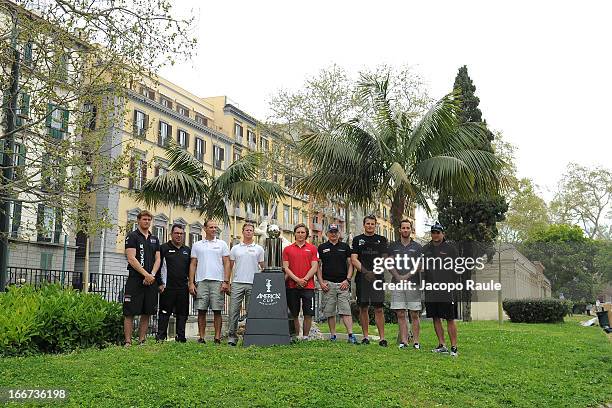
(536, 310)
(579, 307)
(54, 320)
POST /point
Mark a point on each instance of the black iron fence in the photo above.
(109, 286)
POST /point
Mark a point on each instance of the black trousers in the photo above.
(177, 301)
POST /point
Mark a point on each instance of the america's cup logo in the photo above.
(268, 285)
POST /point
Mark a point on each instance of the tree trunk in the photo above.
(398, 205)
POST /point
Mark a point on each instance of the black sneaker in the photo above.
(403, 345)
(201, 341)
(416, 346)
(440, 349)
(180, 339)
(454, 352)
(383, 343)
(217, 341)
(365, 340)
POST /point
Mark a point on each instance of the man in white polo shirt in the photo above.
(246, 259)
(209, 274)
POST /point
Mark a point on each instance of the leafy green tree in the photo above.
(585, 197)
(569, 258)
(187, 181)
(332, 97)
(386, 155)
(471, 221)
(527, 211)
(66, 67)
(72, 64)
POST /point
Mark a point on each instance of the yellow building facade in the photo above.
(216, 132)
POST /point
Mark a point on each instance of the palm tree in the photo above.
(188, 182)
(388, 157)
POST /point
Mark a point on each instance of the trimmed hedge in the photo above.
(56, 320)
(536, 310)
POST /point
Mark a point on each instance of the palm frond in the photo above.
(173, 187)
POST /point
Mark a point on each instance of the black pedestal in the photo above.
(267, 313)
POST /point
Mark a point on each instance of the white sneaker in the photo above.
(403, 345)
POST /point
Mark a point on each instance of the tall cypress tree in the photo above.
(471, 223)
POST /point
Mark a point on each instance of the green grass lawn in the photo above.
(540, 365)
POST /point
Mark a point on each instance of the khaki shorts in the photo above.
(208, 295)
(405, 300)
(335, 300)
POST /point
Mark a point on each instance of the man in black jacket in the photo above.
(441, 303)
(175, 259)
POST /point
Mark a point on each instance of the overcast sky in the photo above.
(542, 69)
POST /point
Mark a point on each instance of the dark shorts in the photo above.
(303, 297)
(139, 299)
(174, 300)
(441, 310)
(366, 294)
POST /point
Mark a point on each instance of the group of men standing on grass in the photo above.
(204, 271)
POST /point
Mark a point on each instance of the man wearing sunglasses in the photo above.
(441, 304)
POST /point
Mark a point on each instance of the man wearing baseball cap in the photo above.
(441, 304)
(334, 276)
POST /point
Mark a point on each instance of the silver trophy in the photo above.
(274, 250)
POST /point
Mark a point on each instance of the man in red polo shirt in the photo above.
(300, 262)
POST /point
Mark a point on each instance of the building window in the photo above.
(91, 113)
(57, 121)
(138, 173)
(22, 112)
(165, 102)
(218, 157)
(182, 110)
(252, 139)
(305, 217)
(15, 220)
(201, 120)
(275, 214)
(161, 168)
(263, 144)
(288, 181)
(200, 149)
(296, 216)
(237, 155)
(182, 138)
(27, 53)
(195, 234)
(49, 224)
(286, 214)
(385, 213)
(238, 130)
(141, 123)
(165, 133)
(264, 210)
(148, 92)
